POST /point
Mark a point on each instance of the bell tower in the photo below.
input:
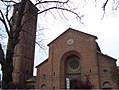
(24, 51)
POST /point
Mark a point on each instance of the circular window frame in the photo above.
(70, 61)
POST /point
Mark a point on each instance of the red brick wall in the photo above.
(84, 46)
(108, 63)
(24, 50)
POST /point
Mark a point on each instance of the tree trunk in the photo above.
(7, 66)
(7, 76)
(7, 63)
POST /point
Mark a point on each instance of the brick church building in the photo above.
(72, 56)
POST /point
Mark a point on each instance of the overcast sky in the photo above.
(105, 29)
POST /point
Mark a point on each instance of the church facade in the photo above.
(73, 56)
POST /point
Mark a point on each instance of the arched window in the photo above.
(73, 63)
(43, 86)
(106, 85)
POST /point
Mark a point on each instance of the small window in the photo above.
(54, 73)
(43, 76)
(105, 70)
(43, 86)
(106, 85)
(27, 71)
(16, 11)
(90, 70)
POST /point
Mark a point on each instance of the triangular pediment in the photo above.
(79, 33)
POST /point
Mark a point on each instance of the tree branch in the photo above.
(7, 11)
(5, 24)
(41, 46)
(8, 1)
(40, 2)
(52, 9)
(104, 5)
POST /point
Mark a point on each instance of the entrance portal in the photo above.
(72, 71)
(74, 84)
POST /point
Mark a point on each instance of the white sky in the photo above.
(106, 29)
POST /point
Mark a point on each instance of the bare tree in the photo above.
(115, 4)
(6, 59)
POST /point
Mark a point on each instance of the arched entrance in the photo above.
(74, 84)
(73, 71)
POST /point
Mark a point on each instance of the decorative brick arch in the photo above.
(43, 86)
(62, 65)
(106, 85)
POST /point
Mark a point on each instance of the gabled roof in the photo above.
(98, 48)
(106, 56)
(41, 63)
(70, 29)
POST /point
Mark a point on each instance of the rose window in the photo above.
(73, 63)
